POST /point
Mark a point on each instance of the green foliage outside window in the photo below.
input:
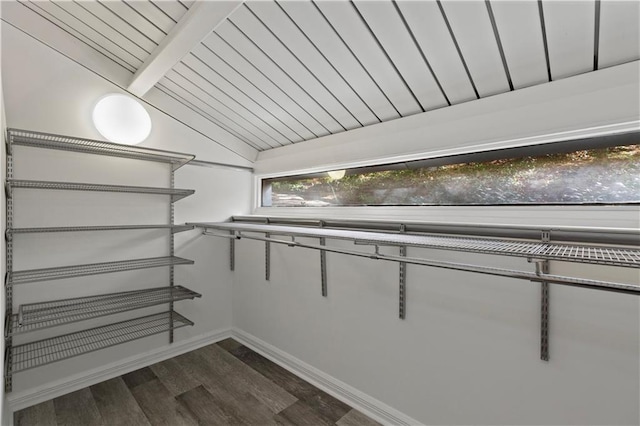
(595, 176)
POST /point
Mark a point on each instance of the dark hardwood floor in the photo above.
(221, 384)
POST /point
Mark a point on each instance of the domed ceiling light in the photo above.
(121, 119)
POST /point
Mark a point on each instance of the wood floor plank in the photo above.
(116, 404)
(229, 344)
(300, 414)
(244, 377)
(138, 377)
(327, 406)
(173, 377)
(324, 404)
(77, 409)
(42, 414)
(204, 407)
(234, 400)
(288, 381)
(160, 407)
(356, 418)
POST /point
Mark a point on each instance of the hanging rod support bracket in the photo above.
(543, 268)
(267, 258)
(232, 250)
(402, 285)
(323, 263)
(267, 254)
(376, 255)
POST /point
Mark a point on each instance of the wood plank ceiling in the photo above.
(277, 73)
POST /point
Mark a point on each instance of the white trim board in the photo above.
(366, 404)
(595, 217)
(199, 21)
(20, 400)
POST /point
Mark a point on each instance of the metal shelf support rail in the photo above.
(46, 351)
(37, 316)
(171, 253)
(8, 285)
(323, 265)
(402, 286)
(90, 146)
(267, 256)
(232, 250)
(544, 303)
(539, 253)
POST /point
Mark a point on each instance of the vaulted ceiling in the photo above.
(274, 73)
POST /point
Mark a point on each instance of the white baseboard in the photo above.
(340, 390)
(18, 401)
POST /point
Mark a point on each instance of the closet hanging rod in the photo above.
(608, 235)
(511, 273)
(214, 164)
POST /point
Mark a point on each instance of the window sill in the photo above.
(580, 216)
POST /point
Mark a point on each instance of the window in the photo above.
(603, 171)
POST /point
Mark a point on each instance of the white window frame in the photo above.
(601, 216)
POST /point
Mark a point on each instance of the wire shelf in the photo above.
(36, 316)
(176, 194)
(45, 274)
(174, 229)
(90, 146)
(613, 256)
(47, 351)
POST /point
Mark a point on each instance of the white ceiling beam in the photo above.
(199, 21)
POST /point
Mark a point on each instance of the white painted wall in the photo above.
(50, 93)
(468, 352)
